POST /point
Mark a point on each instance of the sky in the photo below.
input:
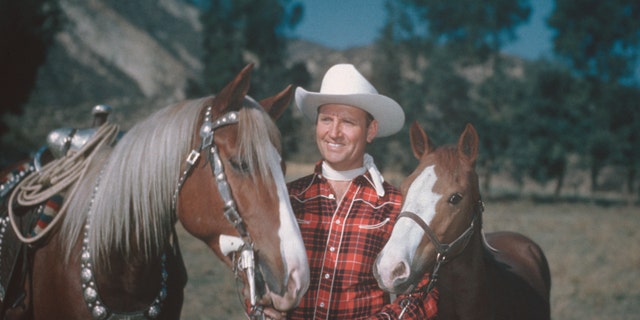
(341, 24)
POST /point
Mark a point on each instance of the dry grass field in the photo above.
(593, 252)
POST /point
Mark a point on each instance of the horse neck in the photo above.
(462, 281)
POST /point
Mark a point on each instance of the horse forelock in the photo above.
(131, 205)
(257, 136)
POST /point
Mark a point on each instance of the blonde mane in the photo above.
(131, 205)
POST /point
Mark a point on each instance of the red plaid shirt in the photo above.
(342, 242)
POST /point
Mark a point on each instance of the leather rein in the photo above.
(244, 253)
(444, 250)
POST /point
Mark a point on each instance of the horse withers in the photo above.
(213, 164)
(503, 275)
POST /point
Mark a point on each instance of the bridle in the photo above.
(244, 253)
(444, 250)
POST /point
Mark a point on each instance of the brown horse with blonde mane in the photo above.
(503, 275)
(214, 165)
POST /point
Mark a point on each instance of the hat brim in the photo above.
(385, 110)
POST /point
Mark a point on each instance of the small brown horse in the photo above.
(214, 165)
(505, 276)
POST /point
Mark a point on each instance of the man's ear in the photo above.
(372, 130)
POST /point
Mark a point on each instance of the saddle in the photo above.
(24, 225)
(13, 252)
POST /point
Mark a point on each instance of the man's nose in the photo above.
(334, 130)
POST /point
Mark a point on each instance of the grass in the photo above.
(593, 253)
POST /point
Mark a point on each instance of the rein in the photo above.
(443, 249)
(56, 177)
(246, 257)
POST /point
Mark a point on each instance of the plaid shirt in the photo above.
(342, 241)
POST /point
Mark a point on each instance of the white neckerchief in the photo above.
(348, 175)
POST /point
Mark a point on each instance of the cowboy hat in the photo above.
(343, 84)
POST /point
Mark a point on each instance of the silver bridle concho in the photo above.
(241, 247)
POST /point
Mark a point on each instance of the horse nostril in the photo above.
(400, 271)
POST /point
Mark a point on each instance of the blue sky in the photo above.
(341, 24)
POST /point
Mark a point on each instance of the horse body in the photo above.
(503, 275)
(115, 254)
(127, 288)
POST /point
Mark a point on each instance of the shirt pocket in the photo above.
(373, 225)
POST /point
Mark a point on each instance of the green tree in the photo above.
(392, 56)
(550, 127)
(458, 35)
(238, 32)
(599, 40)
(475, 28)
(624, 121)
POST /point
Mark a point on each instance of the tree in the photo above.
(27, 29)
(392, 56)
(624, 121)
(461, 34)
(476, 29)
(600, 41)
(237, 32)
(551, 124)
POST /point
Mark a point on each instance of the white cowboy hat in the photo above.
(343, 84)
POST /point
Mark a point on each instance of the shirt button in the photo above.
(326, 276)
(331, 196)
(337, 221)
(321, 304)
(332, 249)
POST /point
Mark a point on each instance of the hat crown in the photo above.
(345, 79)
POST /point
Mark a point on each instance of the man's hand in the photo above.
(271, 313)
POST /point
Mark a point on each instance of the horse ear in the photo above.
(419, 140)
(230, 98)
(276, 105)
(468, 144)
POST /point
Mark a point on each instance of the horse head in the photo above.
(235, 198)
(440, 207)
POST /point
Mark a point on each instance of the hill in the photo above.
(135, 56)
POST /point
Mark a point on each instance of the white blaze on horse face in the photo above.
(291, 245)
(407, 234)
(421, 199)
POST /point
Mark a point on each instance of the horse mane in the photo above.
(131, 207)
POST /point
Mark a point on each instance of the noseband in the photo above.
(444, 249)
(243, 251)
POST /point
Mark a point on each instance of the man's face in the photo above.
(342, 134)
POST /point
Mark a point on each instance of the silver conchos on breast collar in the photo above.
(244, 254)
(97, 307)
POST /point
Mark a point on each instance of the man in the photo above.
(345, 209)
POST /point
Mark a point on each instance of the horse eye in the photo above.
(455, 198)
(239, 165)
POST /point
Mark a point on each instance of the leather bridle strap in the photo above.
(206, 134)
(443, 249)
